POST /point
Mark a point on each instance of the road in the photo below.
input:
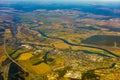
(6, 68)
(6, 71)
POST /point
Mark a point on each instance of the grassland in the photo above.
(115, 50)
(25, 56)
(35, 69)
(60, 45)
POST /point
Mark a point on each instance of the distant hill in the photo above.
(103, 40)
(88, 8)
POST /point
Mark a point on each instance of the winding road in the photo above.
(12, 60)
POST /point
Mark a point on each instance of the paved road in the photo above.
(6, 69)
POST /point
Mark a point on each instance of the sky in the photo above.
(65, 1)
(68, 0)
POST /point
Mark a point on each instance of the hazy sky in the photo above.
(65, 0)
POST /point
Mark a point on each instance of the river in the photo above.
(72, 44)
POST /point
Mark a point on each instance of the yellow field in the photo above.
(59, 61)
(35, 69)
(61, 45)
(41, 68)
(25, 56)
(115, 50)
(2, 58)
(74, 38)
(85, 48)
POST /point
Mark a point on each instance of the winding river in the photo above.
(72, 44)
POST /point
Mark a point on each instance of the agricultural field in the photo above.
(59, 41)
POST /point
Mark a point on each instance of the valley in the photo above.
(59, 44)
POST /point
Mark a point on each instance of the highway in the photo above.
(6, 68)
